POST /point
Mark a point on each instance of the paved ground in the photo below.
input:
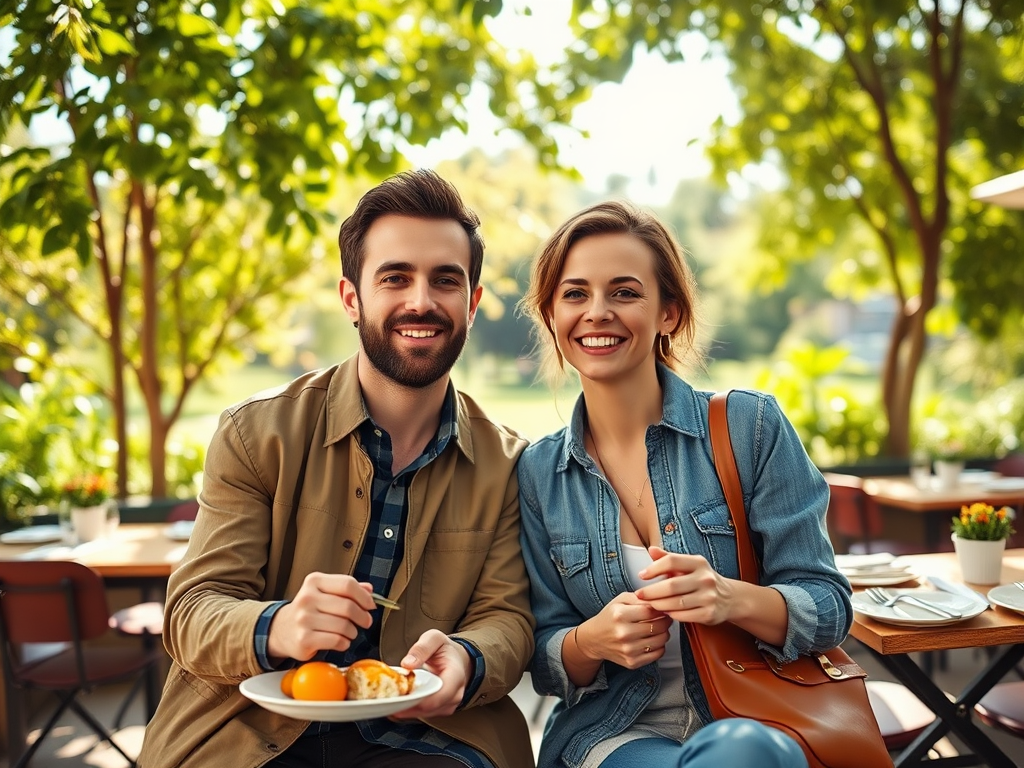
(72, 744)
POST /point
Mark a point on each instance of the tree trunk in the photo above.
(149, 370)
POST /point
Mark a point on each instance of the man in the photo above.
(372, 475)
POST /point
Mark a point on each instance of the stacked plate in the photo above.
(881, 569)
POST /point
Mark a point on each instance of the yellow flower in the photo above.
(982, 522)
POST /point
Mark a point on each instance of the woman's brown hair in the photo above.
(676, 283)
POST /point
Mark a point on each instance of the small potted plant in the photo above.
(948, 448)
(87, 498)
(979, 537)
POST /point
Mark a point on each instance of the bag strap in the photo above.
(729, 477)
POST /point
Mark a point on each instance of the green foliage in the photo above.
(955, 428)
(203, 146)
(52, 432)
(835, 424)
(878, 118)
(981, 522)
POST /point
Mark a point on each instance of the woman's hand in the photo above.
(627, 632)
(689, 589)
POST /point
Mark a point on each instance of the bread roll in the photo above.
(373, 679)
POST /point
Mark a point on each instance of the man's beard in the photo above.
(415, 368)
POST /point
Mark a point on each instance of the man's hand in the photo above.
(325, 614)
(447, 659)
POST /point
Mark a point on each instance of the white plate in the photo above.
(1008, 596)
(265, 690)
(33, 534)
(919, 617)
(884, 579)
(180, 531)
(971, 476)
(1005, 484)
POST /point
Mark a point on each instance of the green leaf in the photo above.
(55, 239)
(111, 43)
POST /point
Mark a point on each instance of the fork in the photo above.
(1019, 584)
(886, 600)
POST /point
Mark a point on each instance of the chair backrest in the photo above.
(852, 513)
(187, 510)
(1011, 466)
(51, 602)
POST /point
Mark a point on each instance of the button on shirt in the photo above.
(377, 564)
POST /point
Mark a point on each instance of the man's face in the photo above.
(414, 304)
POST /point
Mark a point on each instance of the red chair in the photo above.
(857, 519)
(901, 716)
(1011, 465)
(146, 621)
(1003, 707)
(61, 602)
(187, 510)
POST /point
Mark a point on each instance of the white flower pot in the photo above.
(981, 562)
(89, 523)
(948, 474)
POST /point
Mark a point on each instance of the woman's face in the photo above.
(606, 310)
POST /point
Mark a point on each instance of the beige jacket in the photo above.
(287, 492)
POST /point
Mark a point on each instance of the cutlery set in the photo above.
(883, 598)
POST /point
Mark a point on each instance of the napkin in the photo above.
(958, 589)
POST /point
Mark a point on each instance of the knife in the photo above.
(958, 589)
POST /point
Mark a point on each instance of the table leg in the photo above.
(952, 716)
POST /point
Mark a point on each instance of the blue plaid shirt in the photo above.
(389, 508)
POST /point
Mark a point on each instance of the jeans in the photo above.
(731, 743)
(345, 748)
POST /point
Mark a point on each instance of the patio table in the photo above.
(936, 505)
(892, 646)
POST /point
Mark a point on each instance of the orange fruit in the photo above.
(286, 681)
(319, 681)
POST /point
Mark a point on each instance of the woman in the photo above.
(625, 527)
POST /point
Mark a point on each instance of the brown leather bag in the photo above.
(821, 701)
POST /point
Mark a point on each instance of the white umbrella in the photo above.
(1007, 191)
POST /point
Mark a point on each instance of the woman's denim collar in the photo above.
(681, 412)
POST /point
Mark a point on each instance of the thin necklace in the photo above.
(639, 496)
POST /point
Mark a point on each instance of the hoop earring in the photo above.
(665, 345)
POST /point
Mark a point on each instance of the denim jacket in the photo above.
(573, 552)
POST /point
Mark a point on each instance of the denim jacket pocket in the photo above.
(570, 557)
(572, 560)
(715, 526)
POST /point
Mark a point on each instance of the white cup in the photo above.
(89, 523)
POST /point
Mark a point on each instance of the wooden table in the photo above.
(891, 646)
(936, 505)
(136, 551)
(137, 555)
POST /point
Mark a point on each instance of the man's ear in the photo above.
(349, 299)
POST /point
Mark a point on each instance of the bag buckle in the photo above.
(830, 669)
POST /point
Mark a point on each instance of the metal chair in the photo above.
(61, 602)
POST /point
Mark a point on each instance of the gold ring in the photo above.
(651, 625)
(647, 649)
